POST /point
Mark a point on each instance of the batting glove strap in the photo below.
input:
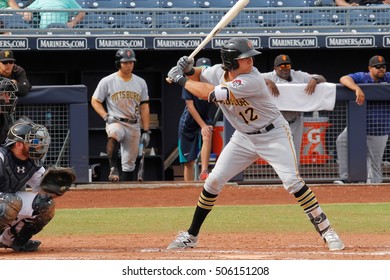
(146, 131)
(190, 73)
(182, 81)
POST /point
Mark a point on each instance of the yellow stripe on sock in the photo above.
(206, 202)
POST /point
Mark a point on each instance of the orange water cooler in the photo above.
(217, 138)
(313, 148)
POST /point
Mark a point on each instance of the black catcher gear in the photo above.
(35, 135)
(8, 98)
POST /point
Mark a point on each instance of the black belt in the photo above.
(263, 130)
(292, 121)
(131, 121)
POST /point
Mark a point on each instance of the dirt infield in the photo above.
(218, 246)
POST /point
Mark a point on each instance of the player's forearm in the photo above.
(349, 82)
(199, 89)
(195, 115)
(98, 107)
(145, 116)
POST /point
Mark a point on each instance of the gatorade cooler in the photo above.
(313, 148)
(217, 138)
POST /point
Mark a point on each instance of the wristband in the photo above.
(182, 81)
(147, 131)
(190, 73)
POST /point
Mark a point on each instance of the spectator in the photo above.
(14, 72)
(360, 2)
(194, 119)
(14, 83)
(127, 101)
(47, 18)
(378, 122)
(283, 74)
(9, 4)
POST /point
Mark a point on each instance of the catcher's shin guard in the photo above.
(43, 206)
(10, 206)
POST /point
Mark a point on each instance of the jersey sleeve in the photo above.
(101, 90)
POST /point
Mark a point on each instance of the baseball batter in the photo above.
(127, 101)
(283, 74)
(261, 131)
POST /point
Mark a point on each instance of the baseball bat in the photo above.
(140, 175)
(228, 17)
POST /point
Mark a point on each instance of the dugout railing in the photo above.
(64, 111)
(319, 160)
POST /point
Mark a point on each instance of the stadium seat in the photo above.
(89, 4)
(14, 21)
(22, 3)
(316, 3)
(259, 4)
(109, 4)
(142, 4)
(289, 3)
(179, 4)
(96, 20)
(287, 27)
(310, 18)
(167, 20)
(216, 3)
(381, 17)
(243, 19)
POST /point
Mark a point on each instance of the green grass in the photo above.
(352, 218)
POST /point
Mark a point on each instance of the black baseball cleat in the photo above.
(30, 246)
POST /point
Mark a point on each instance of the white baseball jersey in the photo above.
(248, 108)
(122, 98)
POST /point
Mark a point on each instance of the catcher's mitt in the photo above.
(57, 180)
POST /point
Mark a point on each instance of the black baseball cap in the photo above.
(377, 60)
(203, 61)
(282, 59)
(7, 55)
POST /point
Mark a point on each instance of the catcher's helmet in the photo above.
(124, 55)
(35, 135)
(234, 49)
(8, 98)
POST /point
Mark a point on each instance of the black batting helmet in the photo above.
(124, 55)
(236, 48)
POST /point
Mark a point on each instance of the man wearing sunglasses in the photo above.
(284, 74)
(378, 121)
(12, 71)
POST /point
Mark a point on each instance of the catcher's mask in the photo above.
(8, 98)
(124, 55)
(234, 49)
(34, 135)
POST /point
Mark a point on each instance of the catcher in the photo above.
(25, 213)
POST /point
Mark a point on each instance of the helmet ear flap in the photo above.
(117, 65)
